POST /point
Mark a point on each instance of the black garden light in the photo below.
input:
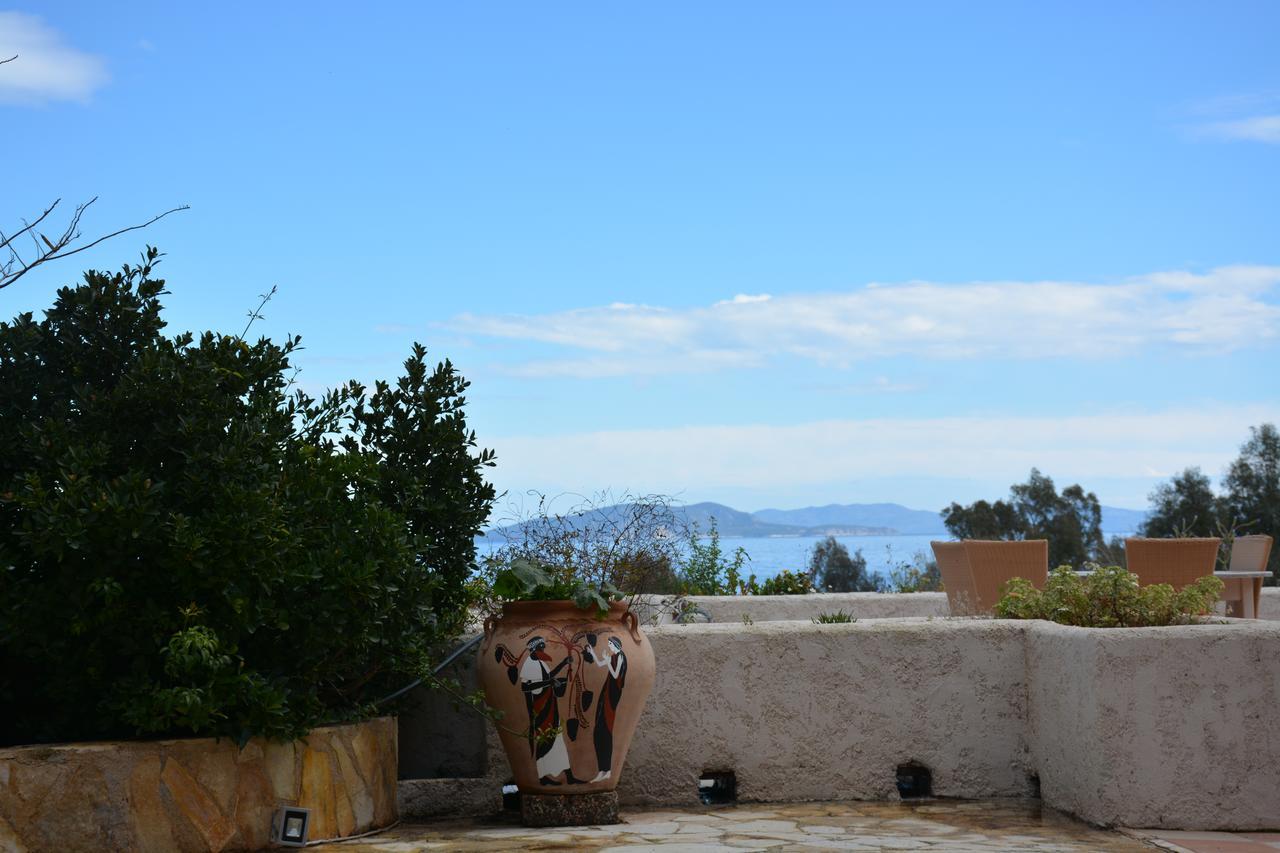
(289, 829)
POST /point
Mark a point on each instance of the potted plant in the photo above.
(565, 664)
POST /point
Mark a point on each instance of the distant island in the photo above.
(876, 519)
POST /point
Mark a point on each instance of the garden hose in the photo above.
(454, 655)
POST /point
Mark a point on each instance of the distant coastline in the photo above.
(840, 520)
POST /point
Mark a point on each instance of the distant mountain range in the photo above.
(879, 519)
(893, 517)
(1116, 520)
(732, 522)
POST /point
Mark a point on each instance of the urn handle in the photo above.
(632, 623)
(490, 623)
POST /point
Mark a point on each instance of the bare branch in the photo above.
(15, 267)
(10, 59)
(122, 230)
(5, 241)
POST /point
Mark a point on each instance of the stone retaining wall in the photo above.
(1160, 727)
(863, 605)
(828, 712)
(195, 794)
(1173, 728)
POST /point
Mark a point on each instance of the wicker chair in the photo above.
(957, 580)
(1176, 562)
(994, 563)
(1250, 553)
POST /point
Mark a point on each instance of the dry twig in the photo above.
(45, 249)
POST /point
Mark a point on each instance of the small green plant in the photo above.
(1108, 597)
(524, 580)
(837, 618)
(685, 612)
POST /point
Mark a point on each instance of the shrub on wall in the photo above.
(784, 583)
(188, 545)
(1108, 597)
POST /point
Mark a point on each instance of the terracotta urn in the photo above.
(571, 687)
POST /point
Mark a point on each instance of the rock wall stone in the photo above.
(195, 794)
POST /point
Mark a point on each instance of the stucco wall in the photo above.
(822, 712)
(1158, 727)
(1163, 727)
(196, 794)
(1269, 605)
(863, 605)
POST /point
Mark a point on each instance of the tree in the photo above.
(1072, 521)
(833, 569)
(982, 520)
(189, 545)
(1251, 487)
(1184, 506)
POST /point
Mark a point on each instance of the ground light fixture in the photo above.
(290, 825)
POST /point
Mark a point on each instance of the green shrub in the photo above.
(920, 574)
(706, 570)
(1107, 598)
(785, 583)
(839, 617)
(190, 546)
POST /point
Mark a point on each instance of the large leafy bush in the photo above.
(188, 545)
(1108, 597)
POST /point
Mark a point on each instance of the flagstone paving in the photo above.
(953, 825)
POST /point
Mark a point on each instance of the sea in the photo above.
(769, 556)
(766, 557)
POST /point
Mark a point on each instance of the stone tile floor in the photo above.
(1214, 842)
(953, 825)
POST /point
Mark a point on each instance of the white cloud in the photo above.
(46, 69)
(1255, 129)
(1221, 310)
(816, 457)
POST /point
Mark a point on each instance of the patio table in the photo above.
(1242, 589)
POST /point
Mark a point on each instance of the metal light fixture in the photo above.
(290, 825)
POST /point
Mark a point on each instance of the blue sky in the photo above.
(767, 254)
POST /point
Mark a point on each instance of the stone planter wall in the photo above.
(1159, 727)
(195, 794)
(864, 605)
